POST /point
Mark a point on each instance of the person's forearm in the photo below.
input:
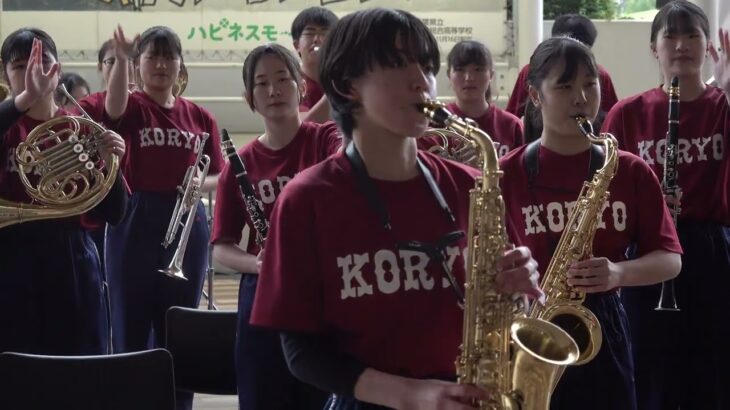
(233, 257)
(319, 113)
(117, 94)
(381, 388)
(654, 267)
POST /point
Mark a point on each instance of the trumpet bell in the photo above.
(173, 272)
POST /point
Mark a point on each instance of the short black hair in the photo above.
(577, 26)
(162, 39)
(679, 17)
(19, 43)
(108, 45)
(471, 52)
(318, 16)
(71, 81)
(252, 60)
(364, 39)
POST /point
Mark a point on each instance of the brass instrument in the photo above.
(4, 91)
(564, 305)
(73, 177)
(189, 193)
(515, 358)
(182, 81)
(454, 148)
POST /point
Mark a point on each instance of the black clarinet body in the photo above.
(253, 206)
(669, 182)
(667, 298)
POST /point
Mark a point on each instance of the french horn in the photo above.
(61, 168)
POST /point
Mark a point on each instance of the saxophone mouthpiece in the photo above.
(584, 124)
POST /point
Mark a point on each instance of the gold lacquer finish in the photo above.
(182, 82)
(453, 147)
(4, 91)
(516, 359)
(72, 177)
(564, 305)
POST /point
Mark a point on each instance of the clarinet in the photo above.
(667, 299)
(253, 206)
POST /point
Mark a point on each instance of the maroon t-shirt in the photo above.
(331, 266)
(312, 95)
(268, 171)
(163, 142)
(504, 128)
(640, 125)
(518, 98)
(635, 212)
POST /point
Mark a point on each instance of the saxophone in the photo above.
(515, 358)
(564, 305)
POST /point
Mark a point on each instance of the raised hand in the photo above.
(721, 59)
(123, 47)
(38, 82)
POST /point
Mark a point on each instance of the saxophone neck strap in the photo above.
(532, 162)
(369, 191)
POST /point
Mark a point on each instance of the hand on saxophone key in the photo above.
(595, 275)
(518, 273)
(674, 199)
(442, 395)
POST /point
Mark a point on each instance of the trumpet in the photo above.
(189, 193)
(73, 178)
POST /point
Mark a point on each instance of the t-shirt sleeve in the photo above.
(614, 124)
(212, 147)
(93, 105)
(289, 293)
(331, 139)
(608, 93)
(516, 103)
(656, 230)
(229, 218)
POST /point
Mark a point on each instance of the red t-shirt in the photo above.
(268, 171)
(312, 94)
(504, 128)
(93, 104)
(331, 266)
(163, 142)
(635, 212)
(518, 98)
(640, 125)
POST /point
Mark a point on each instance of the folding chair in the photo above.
(202, 343)
(139, 380)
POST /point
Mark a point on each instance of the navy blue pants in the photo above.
(51, 298)
(263, 377)
(682, 358)
(140, 295)
(607, 381)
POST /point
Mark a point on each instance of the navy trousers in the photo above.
(263, 377)
(682, 358)
(140, 294)
(51, 297)
(606, 382)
